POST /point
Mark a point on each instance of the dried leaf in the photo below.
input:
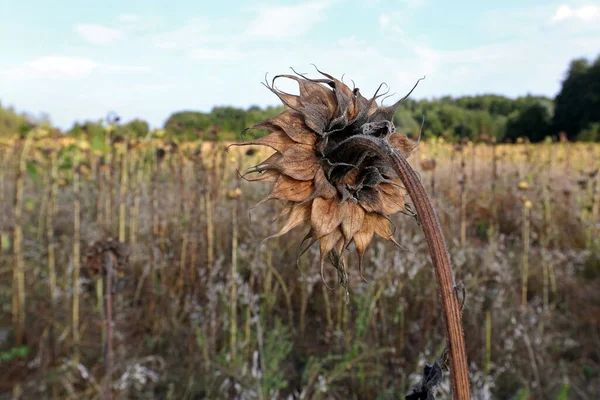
(391, 198)
(326, 245)
(298, 163)
(270, 175)
(290, 189)
(402, 143)
(326, 215)
(323, 188)
(277, 140)
(353, 221)
(298, 215)
(292, 123)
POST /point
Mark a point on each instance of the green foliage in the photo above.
(564, 390)
(278, 345)
(590, 134)
(11, 122)
(533, 122)
(223, 123)
(14, 352)
(137, 128)
(578, 102)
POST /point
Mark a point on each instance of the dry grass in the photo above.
(202, 310)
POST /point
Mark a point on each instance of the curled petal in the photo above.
(402, 143)
(327, 243)
(290, 189)
(326, 216)
(322, 186)
(292, 123)
(277, 140)
(298, 163)
(298, 215)
(353, 221)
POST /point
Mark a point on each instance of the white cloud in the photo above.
(53, 67)
(61, 67)
(384, 21)
(283, 22)
(587, 13)
(192, 34)
(98, 34)
(124, 68)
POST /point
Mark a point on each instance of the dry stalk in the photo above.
(123, 194)
(52, 206)
(233, 298)
(441, 263)
(109, 259)
(76, 260)
(525, 256)
(19, 264)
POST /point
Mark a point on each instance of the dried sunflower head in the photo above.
(321, 171)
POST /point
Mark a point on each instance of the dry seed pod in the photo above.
(428, 164)
(329, 179)
(94, 257)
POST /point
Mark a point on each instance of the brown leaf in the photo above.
(326, 245)
(391, 198)
(353, 221)
(314, 93)
(381, 226)
(292, 123)
(385, 198)
(326, 215)
(298, 215)
(323, 188)
(270, 175)
(299, 163)
(402, 143)
(287, 188)
(362, 238)
(277, 140)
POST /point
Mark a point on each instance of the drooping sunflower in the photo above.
(324, 175)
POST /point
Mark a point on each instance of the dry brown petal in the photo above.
(326, 215)
(314, 93)
(277, 140)
(362, 238)
(270, 175)
(353, 221)
(292, 123)
(299, 163)
(391, 198)
(402, 143)
(290, 189)
(322, 186)
(326, 244)
(299, 214)
(381, 226)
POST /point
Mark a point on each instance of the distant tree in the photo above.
(136, 128)
(533, 122)
(578, 102)
(11, 123)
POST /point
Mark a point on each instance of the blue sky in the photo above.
(143, 58)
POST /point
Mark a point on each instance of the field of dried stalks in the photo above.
(136, 268)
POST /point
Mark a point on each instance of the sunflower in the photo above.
(326, 177)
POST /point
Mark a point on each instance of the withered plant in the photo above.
(341, 166)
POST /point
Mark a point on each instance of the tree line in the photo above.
(574, 113)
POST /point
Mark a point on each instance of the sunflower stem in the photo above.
(443, 273)
(439, 256)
